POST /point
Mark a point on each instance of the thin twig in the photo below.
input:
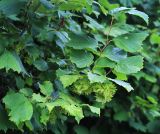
(108, 41)
(111, 24)
(109, 72)
(106, 45)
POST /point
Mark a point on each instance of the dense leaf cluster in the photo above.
(63, 61)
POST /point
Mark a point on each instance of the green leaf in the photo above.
(100, 71)
(107, 5)
(96, 78)
(155, 38)
(46, 88)
(147, 77)
(93, 109)
(41, 65)
(26, 91)
(10, 7)
(131, 42)
(119, 29)
(120, 76)
(82, 41)
(81, 58)
(131, 11)
(20, 82)
(61, 72)
(33, 51)
(126, 85)
(38, 98)
(119, 9)
(130, 65)
(68, 80)
(47, 4)
(44, 116)
(114, 53)
(104, 62)
(29, 125)
(68, 104)
(20, 108)
(93, 24)
(11, 60)
(104, 11)
(4, 121)
(139, 14)
(73, 5)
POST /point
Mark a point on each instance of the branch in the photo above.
(108, 41)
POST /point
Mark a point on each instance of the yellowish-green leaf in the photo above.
(68, 80)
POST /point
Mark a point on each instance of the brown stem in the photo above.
(111, 24)
(106, 45)
(109, 71)
(108, 41)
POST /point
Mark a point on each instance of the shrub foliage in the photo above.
(63, 61)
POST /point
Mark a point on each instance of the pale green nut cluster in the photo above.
(103, 91)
